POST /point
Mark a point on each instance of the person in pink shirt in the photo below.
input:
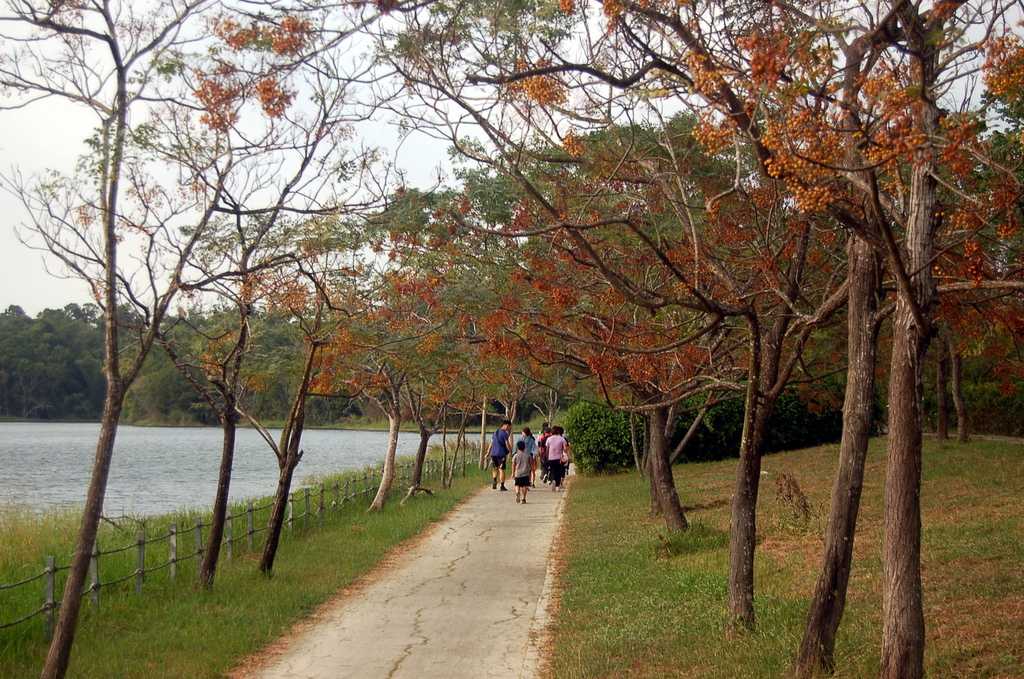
(559, 456)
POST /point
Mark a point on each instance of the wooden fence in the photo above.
(314, 502)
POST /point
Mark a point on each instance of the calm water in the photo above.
(157, 470)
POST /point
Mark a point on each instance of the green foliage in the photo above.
(161, 394)
(794, 424)
(51, 367)
(600, 437)
(718, 436)
(993, 410)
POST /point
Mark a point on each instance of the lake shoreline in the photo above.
(157, 470)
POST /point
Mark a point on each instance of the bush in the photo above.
(718, 436)
(600, 437)
(601, 441)
(793, 426)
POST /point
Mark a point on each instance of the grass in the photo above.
(638, 602)
(180, 630)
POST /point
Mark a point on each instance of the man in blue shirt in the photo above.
(501, 447)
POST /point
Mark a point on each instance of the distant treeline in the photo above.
(51, 368)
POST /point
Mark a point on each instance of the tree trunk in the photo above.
(288, 457)
(817, 649)
(59, 655)
(655, 505)
(277, 511)
(958, 398)
(444, 451)
(638, 458)
(208, 567)
(421, 455)
(460, 443)
(941, 389)
(902, 613)
(662, 482)
(550, 406)
(690, 433)
(388, 474)
(743, 522)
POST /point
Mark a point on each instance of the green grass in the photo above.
(638, 602)
(180, 630)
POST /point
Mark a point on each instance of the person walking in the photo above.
(559, 456)
(501, 447)
(542, 452)
(523, 464)
(531, 448)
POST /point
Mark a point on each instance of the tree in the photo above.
(170, 157)
(217, 377)
(106, 58)
(316, 321)
(843, 122)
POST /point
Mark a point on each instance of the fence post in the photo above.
(49, 604)
(305, 522)
(320, 510)
(291, 511)
(140, 562)
(337, 484)
(172, 547)
(344, 498)
(94, 577)
(366, 486)
(230, 538)
(199, 544)
(249, 530)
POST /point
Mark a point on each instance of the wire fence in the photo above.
(312, 504)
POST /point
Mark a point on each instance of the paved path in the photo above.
(469, 599)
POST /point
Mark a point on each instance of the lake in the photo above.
(156, 470)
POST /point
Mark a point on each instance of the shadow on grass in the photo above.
(699, 538)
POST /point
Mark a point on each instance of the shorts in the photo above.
(522, 481)
(499, 462)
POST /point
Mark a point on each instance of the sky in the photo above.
(51, 135)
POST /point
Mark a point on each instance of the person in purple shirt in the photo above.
(558, 457)
(501, 447)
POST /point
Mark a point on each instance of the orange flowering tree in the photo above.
(621, 280)
(857, 116)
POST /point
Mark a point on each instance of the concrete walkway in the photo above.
(467, 599)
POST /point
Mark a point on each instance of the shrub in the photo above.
(793, 426)
(601, 441)
(600, 437)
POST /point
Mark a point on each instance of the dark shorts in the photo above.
(499, 462)
(522, 481)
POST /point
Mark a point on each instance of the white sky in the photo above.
(51, 135)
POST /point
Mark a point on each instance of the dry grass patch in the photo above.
(638, 602)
